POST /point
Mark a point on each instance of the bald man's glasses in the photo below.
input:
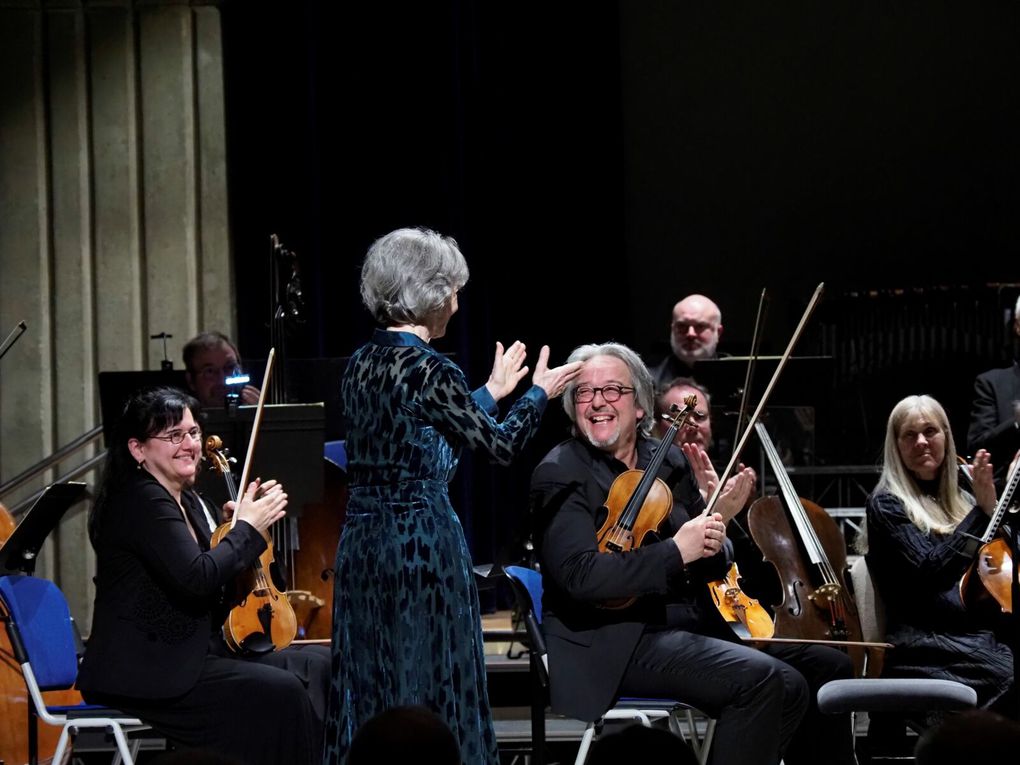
(699, 327)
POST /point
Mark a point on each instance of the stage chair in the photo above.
(527, 586)
(43, 637)
(911, 699)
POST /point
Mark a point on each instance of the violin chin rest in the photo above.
(256, 644)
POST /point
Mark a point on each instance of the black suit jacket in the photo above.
(589, 646)
(158, 593)
(992, 422)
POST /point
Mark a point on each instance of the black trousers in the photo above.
(820, 738)
(758, 700)
(247, 709)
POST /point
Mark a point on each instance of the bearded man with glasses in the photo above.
(670, 642)
(694, 333)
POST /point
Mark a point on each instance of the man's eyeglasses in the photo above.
(699, 327)
(176, 437)
(610, 393)
(213, 373)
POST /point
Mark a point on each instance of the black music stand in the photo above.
(290, 448)
(22, 547)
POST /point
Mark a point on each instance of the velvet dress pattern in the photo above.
(406, 621)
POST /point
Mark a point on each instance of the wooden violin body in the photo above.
(263, 619)
(817, 603)
(616, 534)
(745, 615)
(991, 573)
(263, 613)
(639, 501)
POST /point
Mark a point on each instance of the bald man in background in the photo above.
(694, 336)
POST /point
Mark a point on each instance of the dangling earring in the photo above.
(140, 464)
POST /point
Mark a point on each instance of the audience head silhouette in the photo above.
(977, 735)
(638, 742)
(404, 734)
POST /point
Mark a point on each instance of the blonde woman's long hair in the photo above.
(940, 514)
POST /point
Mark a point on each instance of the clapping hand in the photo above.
(506, 370)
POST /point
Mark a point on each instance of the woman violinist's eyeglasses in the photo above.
(610, 393)
(176, 437)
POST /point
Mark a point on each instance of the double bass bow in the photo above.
(263, 619)
(639, 501)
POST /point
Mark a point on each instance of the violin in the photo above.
(264, 619)
(745, 615)
(808, 551)
(993, 564)
(639, 501)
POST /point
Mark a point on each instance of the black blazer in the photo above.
(158, 593)
(992, 422)
(590, 647)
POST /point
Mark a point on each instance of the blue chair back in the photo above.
(43, 622)
(531, 580)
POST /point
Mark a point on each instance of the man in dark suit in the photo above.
(995, 413)
(670, 642)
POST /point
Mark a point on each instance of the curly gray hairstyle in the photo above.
(409, 274)
(640, 377)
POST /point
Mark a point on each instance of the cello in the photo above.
(307, 539)
(808, 551)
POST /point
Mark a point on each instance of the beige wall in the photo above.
(113, 219)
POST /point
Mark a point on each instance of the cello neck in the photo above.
(812, 544)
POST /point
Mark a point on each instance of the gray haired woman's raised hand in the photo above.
(554, 380)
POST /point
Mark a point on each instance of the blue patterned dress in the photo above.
(406, 622)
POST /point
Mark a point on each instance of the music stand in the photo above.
(22, 547)
(290, 449)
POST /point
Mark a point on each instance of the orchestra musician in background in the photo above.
(156, 649)
(694, 333)
(209, 359)
(995, 411)
(919, 542)
(406, 619)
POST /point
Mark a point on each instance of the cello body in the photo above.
(815, 605)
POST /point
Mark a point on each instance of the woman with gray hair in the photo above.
(406, 621)
(920, 541)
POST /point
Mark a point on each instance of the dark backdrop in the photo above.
(598, 161)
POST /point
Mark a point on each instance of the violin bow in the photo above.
(764, 399)
(755, 347)
(254, 434)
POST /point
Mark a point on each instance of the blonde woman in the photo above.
(920, 540)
